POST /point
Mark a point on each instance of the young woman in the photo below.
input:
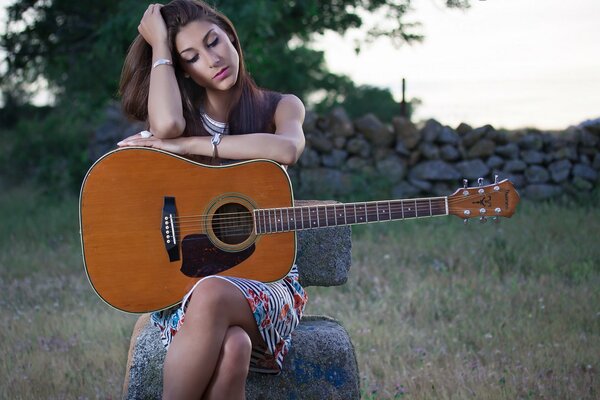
(185, 76)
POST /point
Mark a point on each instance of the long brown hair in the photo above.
(252, 108)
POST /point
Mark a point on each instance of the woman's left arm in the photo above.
(285, 146)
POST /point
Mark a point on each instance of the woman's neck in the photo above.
(217, 104)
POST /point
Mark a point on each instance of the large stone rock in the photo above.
(482, 148)
(473, 136)
(435, 170)
(532, 156)
(448, 136)
(514, 166)
(585, 171)
(329, 247)
(560, 170)
(340, 123)
(532, 141)
(429, 150)
(326, 181)
(542, 191)
(431, 130)
(472, 169)
(406, 132)
(449, 153)
(537, 174)
(335, 159)
(359, 146)
(405, 190)
(392, 168)
(509, 150)
(309, 158)
(320, 365)
(374, 130)
(319, 141)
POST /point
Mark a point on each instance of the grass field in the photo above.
(435, 309)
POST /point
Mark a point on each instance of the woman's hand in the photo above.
(177, 145)
(152, 27)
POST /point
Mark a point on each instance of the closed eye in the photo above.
(192, 60)
(214, 42)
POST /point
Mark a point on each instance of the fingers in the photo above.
(135, 140)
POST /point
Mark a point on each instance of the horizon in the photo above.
(509, 63)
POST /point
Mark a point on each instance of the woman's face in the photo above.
(207, 55)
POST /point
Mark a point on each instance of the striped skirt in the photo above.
(277, 308)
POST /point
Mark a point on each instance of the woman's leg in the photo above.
(191, 361)
(229, 379)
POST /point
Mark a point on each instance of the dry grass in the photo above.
(435, 310)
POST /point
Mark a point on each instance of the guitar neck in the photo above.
(273, 220)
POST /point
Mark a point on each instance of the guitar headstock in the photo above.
(498, 199)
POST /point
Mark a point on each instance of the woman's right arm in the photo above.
(165, 111)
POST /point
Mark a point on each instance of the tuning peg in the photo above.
(495, 179)
(480, 181)
(465, 221)
(482, 219)
(496, 220)
(465, 183)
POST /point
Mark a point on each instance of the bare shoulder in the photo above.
(290, 107)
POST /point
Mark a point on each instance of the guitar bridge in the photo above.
(168, 229)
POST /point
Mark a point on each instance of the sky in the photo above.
(509, 63)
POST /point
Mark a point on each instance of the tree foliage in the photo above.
(79, 47)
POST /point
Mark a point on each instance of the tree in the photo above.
(79, 47)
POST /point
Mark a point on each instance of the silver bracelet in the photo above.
(161, 61)
(215, 140)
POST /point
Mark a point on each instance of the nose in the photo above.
(214, 60)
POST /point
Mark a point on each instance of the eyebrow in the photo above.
(204, 40)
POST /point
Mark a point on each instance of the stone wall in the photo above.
(344, 156)
(367, 158)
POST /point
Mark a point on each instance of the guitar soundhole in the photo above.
(232, 223)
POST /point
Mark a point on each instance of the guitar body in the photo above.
(153, 224)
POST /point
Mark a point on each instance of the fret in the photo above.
(372, 211)
(350, 217)
(272, 215)
(264, 221)
(402, 207)
(326, 218)
(430, 213)
(309, 220)
(345, 216)
(416, 210)
(322, 212)
(313, 211)
(362, 209)
(298, 217)
(256, 223)
(281, 219)
(287, 219)
(318, 220)
(302, 216)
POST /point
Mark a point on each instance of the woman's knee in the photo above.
(212, 297)
(235, 353)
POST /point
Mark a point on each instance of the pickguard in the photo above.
(202, 258)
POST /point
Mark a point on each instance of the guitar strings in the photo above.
(393, 203)
(243, 222)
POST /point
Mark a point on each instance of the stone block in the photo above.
(321, 364)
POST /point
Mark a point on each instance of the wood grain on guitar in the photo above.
(153, 223)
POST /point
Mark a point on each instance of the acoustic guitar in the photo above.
(154, 223)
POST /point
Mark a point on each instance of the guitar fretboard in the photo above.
(272, 220)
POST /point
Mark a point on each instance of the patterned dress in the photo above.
(277, 306)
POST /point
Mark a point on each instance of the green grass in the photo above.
(435, 309)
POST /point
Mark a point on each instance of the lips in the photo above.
(222, 74)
